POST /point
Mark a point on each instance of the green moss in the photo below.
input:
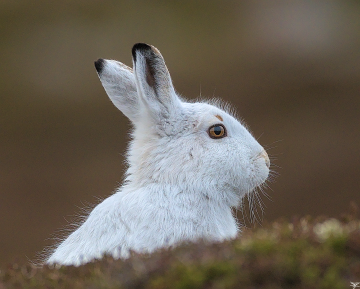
(304, 254)
(332, 279)
(337, 243)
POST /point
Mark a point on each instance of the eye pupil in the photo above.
(217, 130)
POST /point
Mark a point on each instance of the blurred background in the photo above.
(290, 69)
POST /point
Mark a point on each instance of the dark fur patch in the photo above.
(147, 52)
(150, 73)
(219, 117)
(139, 46)
(99, 65)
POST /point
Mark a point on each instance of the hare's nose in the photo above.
(264, 155)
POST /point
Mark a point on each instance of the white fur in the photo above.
(181, 184)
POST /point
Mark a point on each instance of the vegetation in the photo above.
(305, 253)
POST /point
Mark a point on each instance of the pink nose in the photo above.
(266, 157)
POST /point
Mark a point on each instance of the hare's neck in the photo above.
(208, 214)
(191, 193)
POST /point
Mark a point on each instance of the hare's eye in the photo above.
(217, 131)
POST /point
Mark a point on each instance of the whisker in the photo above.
(243, 212)
(260, 136)
(277, 166)
(277, 141)
(214, 92)
(275, 155)
(272, 158)
(260, 201)
(270, 148)
(266, 194)
(274, 173)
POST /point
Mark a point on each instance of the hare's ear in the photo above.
(119, 83)
(153, 82)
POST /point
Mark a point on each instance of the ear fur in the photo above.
(119, 83)
(153, 81)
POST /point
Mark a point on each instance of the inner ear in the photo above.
(150, 73)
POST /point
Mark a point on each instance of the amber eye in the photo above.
(217, 131)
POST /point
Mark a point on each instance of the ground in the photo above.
(301, 253)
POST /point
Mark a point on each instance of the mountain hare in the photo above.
(188, 165)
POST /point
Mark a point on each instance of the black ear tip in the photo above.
(99, 65)
(139, 46)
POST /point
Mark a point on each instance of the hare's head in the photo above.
(194, 146)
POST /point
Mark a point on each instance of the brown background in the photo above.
(291, 70)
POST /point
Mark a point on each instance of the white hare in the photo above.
(188, 165)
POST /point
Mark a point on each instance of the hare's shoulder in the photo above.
(103, 231)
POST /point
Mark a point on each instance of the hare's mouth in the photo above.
(261, 170)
